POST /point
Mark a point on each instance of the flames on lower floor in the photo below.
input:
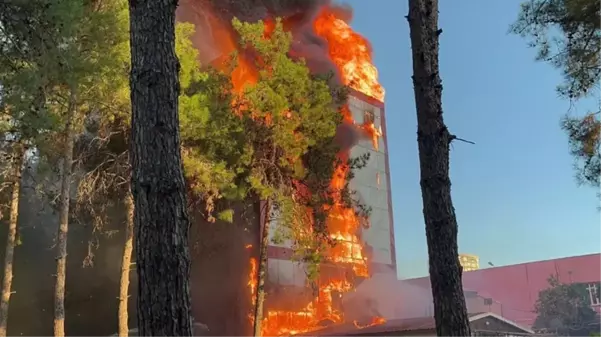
(294, 310)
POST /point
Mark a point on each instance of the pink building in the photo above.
(512, 291)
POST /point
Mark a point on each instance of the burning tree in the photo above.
(286, 113)
(325, 40)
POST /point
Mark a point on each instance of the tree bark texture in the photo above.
(262, 272)
(161, 222)
(17, 170)
(434, 140)
(63, 221)
(126, 266)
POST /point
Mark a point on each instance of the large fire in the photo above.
(351, 54)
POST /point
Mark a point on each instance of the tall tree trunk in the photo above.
(160, 218)
(262, 272)
(18, 164)
(434, 140)
(63, 225)
(126, 266)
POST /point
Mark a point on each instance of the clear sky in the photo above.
(514, 192)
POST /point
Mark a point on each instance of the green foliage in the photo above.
(564, 306)
(226, 215)
(567, 34)
(254, 142)
(104, 152)
(55, 49)
(585, 141)
(288, 112)
(215, 148)
(297, 109)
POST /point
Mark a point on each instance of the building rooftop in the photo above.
(405, 325)
(514, 289)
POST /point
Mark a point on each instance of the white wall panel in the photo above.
(382, 255)
(380, 219)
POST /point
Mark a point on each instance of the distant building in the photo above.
(469, 262)
(509, 291)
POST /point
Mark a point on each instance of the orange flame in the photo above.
(252, 278)
(375, 321)
(351, 53)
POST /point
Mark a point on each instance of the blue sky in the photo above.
(514, 191)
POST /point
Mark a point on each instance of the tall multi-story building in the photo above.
(469, 262)
(375, 242)
(372, 186)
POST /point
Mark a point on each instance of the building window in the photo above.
(368, 117)
(592, 294)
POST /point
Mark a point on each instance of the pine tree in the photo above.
(433, 140)
(567, 34)
(17, 164)
(28, 70)
(161, 219)
(104, 154)
(66, 44)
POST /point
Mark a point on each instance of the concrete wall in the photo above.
(371, 184)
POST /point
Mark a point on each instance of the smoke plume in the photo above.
(214, 36)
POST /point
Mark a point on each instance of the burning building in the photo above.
(358, 253)
(323, 37)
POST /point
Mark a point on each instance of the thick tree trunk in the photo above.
(262, 272)
(433, 141)
(126, 266)
(161, 220)
(63, 223)
(18, 164)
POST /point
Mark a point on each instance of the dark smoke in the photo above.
(347, 136)
(298, 16)
(212, 19)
